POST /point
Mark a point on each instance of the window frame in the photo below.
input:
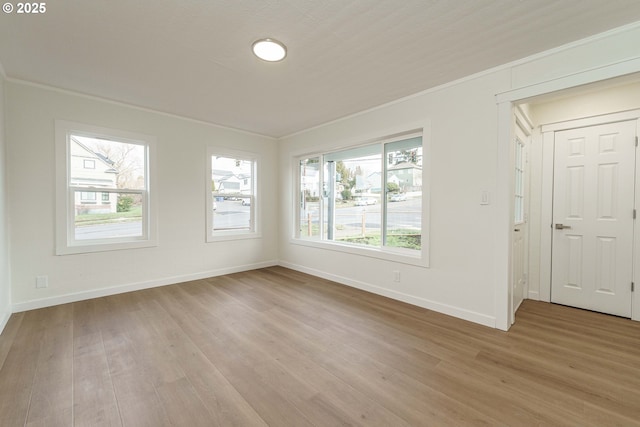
(520, 182)
(66, 243)
(254, 230)
(395, 254)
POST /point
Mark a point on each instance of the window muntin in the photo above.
(519, 193)
(231, 195)
(106, 206)
(371, 196)
(309, 210)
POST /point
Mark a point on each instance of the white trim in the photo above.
(384, 134)
(457, 312)
(508, 66)
(618, 69)
(66, 244)
(522, 116)
(229, 235)
(635, 295)
(398, 255)
(546, 216)
(119, 289)
(464, 314)
(135, 107)
(503, 218)
(600, 119)
(255, 231)
(419, 258)
(4, 319)
(533, 295)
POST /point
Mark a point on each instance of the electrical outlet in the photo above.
(484, 198)
(396, 276)
(42, 281)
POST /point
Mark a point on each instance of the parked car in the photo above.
(365, 201)
(246, 202)
(398, 197)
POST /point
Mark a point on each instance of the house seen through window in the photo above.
(366, 196)
(231, 195)
(108, 197)
(103, 190)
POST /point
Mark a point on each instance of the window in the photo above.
(309, 180)
(103, 183)
(519, 187)
(369, 196)
(86, 197)
(231, 195)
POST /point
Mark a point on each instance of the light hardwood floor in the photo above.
(280, 348)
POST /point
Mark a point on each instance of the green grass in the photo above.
(135, 214)
(408, 239)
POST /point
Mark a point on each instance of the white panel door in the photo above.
(593, 206)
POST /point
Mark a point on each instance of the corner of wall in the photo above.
(5, 274)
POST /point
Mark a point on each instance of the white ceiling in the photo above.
(193, 57)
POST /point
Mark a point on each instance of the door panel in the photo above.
(593, 217)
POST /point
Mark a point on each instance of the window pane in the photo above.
(232, 192)
(231, 213)
(404, 193)
(114, 164)
(119, 216)
(357, 185)
(370, 195)
(309, 198)
(519, 183)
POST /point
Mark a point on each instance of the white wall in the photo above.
(586, 103)
(470, 151)
(463, 163)
(182, 253)
(5, 284)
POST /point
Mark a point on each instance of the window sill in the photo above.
(400, 255)
(234, 235)
(104, 247)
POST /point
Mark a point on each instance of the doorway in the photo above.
(584, 180)
(593, 214)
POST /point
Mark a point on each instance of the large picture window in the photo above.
(105, 206)
(231, 195)
(367, 196)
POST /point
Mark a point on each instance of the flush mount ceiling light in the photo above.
(269, 50)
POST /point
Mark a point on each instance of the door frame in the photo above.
(503, 220)
(546, 234)
(522, 122)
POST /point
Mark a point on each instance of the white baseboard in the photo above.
(534, 295)
(113, 290)
(469, 315)
(460, 313)
(4, 318)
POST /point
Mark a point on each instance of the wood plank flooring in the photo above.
(280, 348)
